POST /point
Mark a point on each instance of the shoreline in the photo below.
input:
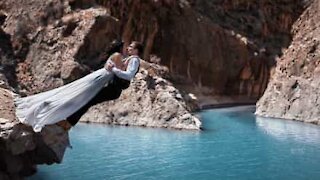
(226, 105)
(216, 102)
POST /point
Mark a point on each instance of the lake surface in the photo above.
(233, 145)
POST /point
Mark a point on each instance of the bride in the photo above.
(57, 104)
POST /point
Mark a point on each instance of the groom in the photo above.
(113, 91)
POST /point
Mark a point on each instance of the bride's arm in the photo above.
(130, 71)
(109, 65)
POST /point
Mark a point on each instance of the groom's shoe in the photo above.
(65, 125)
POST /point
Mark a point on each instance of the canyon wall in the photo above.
(46, 44)
(293, 91)
(219, 47)
(222, 48)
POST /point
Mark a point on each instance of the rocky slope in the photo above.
(20, 148)
(293, 91)
(57, 45)
(150, 101)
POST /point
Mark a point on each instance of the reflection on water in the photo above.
(237, 109)
(288, 129)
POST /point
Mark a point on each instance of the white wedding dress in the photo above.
(57, 104)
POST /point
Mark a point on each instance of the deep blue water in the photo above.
(233, 145)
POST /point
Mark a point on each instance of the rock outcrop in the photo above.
(293, 91)
(60, 45)
(20, 148)
(150, 101)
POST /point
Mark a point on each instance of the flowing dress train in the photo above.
(57, 104)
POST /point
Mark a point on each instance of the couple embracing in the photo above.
(72, 100)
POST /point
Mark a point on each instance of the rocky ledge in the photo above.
(150, 101)
(20, 148)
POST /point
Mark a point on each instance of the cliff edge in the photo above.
(150, 101)
(20, 148)
(293, 90)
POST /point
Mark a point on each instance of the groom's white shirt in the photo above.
(131, 70)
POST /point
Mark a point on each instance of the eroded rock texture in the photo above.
(220, 47)
(150, 101)
(293, 91)
(20, 148)
(216, 47)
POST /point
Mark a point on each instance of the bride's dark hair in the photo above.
(115, 46)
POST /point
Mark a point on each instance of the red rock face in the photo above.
(225, 47)
(54, 45)
(293, 92)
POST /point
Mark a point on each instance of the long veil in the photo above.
(57, 104)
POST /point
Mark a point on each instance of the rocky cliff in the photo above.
(54, 45)
(293, 91)
(20, 148)
(198, 40)
(150, 101)
(45, 45)
(219, 47)
(64, 42)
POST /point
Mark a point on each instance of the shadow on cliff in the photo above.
(7, 59)
(220, 47)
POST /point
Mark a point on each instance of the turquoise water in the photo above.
(233, 145)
